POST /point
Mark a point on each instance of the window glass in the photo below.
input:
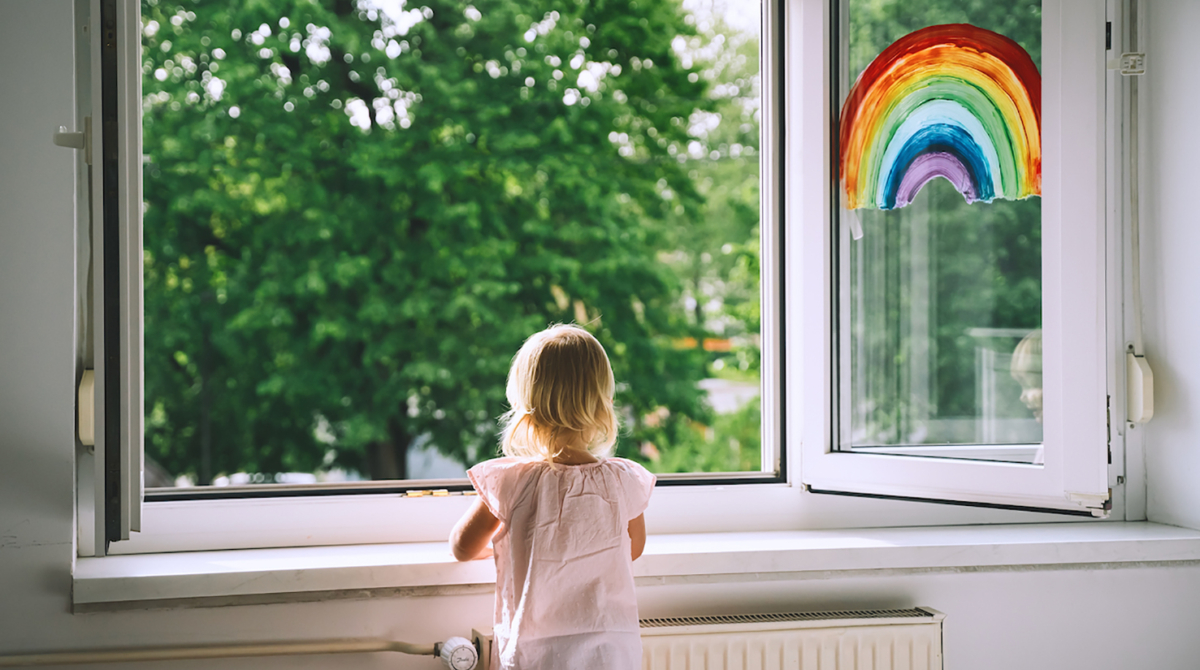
(356, 211)
(940, 301)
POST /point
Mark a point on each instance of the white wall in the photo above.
(1135, 616)
(1171, 274)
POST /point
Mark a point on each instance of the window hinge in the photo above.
(1099, 505)
(77, 140)
(1108, 421)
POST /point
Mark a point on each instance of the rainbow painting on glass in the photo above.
(952, 101)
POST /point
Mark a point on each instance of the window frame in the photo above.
(1075, 475)
(109, 476)
(795, 427)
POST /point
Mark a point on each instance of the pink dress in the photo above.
(564, 578)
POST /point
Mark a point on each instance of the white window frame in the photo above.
(110, 480)
(796, 194)
(1075, 475)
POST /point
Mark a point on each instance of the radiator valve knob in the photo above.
(458, 653)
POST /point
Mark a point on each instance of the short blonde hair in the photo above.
(1026, 366)
(560, 383)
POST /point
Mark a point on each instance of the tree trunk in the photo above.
(388, 459)
(206, 455)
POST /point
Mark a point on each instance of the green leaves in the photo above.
(356, 215)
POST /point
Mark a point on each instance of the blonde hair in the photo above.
(560, 386)
(1026, 366)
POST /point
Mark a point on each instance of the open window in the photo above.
(354, 212)
(286, 153)
(949, 223)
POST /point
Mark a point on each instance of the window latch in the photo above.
(1131, 64)
(77, 140)
(86, 408)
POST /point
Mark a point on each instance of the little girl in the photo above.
(565, 521)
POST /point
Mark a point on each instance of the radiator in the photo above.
(906, 639)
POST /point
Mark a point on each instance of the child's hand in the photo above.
(486, 553)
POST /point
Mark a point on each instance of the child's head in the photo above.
(560, 394)
(1027, 370)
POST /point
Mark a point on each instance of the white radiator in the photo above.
(909, 639)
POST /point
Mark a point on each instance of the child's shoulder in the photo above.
(502, 463)
(636, 484)
(632, 470)
(505, 468)
(499, 476)
(512, 465)
(625, 464)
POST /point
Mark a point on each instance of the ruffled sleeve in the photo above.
(494, 481)
(637, 483)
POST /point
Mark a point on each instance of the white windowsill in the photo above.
(282, 575)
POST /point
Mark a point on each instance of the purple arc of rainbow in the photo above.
(926, 168)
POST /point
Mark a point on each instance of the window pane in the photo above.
(940, 166)
(357, 211)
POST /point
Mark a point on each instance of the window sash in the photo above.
(114, 91)
(1074, 477)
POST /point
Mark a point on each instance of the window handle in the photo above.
(77, 140)
(1139, 393)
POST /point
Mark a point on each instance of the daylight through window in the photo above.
(356, 211)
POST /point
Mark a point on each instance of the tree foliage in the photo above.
(356, 212)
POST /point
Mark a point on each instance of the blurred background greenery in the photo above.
(357, 210)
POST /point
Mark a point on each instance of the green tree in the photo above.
(716, 252)
(721, 156)
(356, 212)
(732, 443)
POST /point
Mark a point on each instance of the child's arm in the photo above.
(471, 534)
(637, 535)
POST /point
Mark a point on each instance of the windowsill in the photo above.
(253, 576)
